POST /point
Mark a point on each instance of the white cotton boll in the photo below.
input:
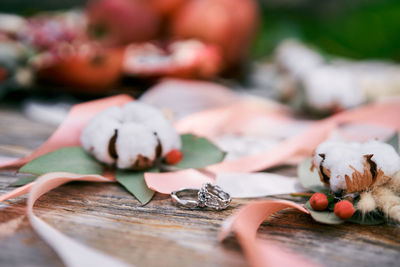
(335, 152)
(95, 137)
(169, 138)
(339, 161)
(134, 140)
(329, 87)
(344, 158)
(139, 112)
(156, 121)
(132, 136)
(384, 155)
(297, 58)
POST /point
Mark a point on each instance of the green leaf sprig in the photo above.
(197, 152)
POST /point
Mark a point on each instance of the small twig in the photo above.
(301, 194)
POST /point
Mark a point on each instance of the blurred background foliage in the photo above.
(356, 29)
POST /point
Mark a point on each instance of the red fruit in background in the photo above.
(183, 59)
(230, 24)
(174, 157)
(86, 71)
(165, 7)
(319, 201)
(118, 22)
(344, 209)
(47, 31)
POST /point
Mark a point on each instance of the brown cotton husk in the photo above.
(366, 180)
(324, 173)
(142, 163)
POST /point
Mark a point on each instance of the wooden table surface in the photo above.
(106, 217)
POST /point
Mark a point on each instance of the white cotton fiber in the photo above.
(156, 121)
(296, 58)
(140, 129)
(342, 157)
(133, 140)
(96, 135)
(384, 156)
(329, 87)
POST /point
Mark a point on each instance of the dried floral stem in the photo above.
(301, 194)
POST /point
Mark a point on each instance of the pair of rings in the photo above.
(209, 196)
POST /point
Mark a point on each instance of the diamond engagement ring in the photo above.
(209, 196)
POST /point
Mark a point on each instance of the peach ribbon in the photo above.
(166, 183)
(208, 123)
(261, 253)
(72, 253)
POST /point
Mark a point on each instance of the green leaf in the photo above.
(23, 181)
(326, 217)
(68, 159)
(134, 182)
(394, 142)
(370, 218)
(198, 153)
(310, 179)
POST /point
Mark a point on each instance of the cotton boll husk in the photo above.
(366, 203)
(96, 135)
(329, 87)
(134, 140)
(156, 121)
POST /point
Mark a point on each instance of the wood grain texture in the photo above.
(108, 218)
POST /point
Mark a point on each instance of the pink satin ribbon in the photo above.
(166, 183)
(208, 123)
(261, 253)
(72, 253)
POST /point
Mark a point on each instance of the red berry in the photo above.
(319, 201)
(344, 209)
(174, 156)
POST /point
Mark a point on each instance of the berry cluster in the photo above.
(343, 209)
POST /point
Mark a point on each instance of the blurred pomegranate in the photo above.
(230, 24)
(184, 59)
(165, 7)
(47, 31)
(118, 22)
(86, 70)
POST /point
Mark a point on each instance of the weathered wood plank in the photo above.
(108, 218)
